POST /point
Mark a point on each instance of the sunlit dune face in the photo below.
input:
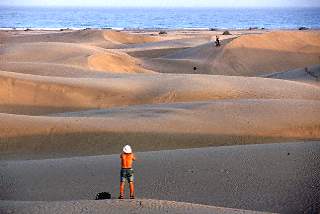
(302, 42)
(112, 62)
(57, 87)
(124, 38)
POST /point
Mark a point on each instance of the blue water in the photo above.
(134, 18)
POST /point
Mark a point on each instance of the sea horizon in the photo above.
(57, 17)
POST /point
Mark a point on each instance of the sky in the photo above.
(164, 3)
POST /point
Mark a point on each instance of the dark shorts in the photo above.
(126, 174)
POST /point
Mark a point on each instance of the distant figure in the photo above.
(217, 41)
(126, 173)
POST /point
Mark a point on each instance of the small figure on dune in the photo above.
(217, 41)
(126, 173)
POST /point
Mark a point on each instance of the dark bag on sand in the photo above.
(103, 195)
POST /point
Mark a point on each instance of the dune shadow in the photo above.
(237, 62)
(38, 110)
(102, 143)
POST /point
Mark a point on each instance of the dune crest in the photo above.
(270, 52)
(252, 118)
(69, 54)
(32, 94)
(118, 207)
(115, 62)
(157, 127)
(103, 38)
(126, 38)
(247, 55)
(68, 95)
(302, 42)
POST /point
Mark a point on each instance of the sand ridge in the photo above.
(271, 52)
(40, 92)
(243, 117)
(252, 177)
(103, 38)
(288, 41)
(125, 38)
(167, 127)
(50, 69)
(247, 55)
(70, 94)
(76, 55)
(115, 62)
(117, 206)
(309, 74)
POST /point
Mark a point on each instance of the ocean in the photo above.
(158, 18)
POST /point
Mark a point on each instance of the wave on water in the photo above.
(158, 18)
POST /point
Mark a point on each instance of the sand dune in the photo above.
(115, 62)
(62, 53)
(76, 48)
(170, 126)
(50, 69)
(311, 75)
(287, 41)
(102, 38)
(178, 56)
(206, 52)
(89, 92)
(153, 52)
(82, 36)
(125, 38)
(276, 178)
(271, 52)
(163, 48)
(248, 55)
(170, 44)
(116, 206)
(42, 83)
(32, 94)
(77, 55)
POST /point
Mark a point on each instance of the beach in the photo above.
(227, 129)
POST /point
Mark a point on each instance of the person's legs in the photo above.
(131, 184)
(131, 190)
(121, 190)
(126, 174)
(122, 180)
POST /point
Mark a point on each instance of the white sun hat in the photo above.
(127, 149)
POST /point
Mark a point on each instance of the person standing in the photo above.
(217, 41)
(126, 173)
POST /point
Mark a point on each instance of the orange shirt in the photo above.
(126, 160)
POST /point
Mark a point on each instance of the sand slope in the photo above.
(80, 49)
(125, 38)
(50, 69)
(248, 55)
(271, 52)
(32, 94)
(276, 178)
(171, 126)
(116, 206)
(311, 75)
(115, 62)
(72, 94)
(76, 55)
(101, 38)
